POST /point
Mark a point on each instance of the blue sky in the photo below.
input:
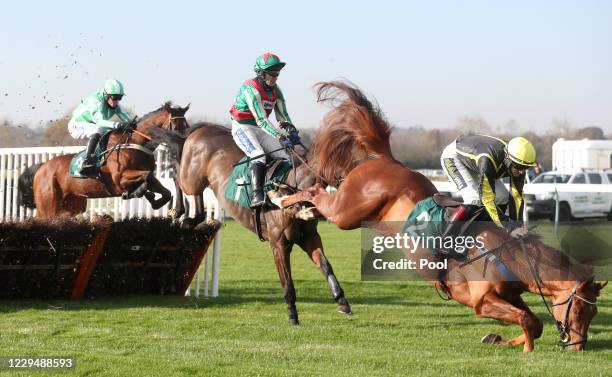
(425, 62)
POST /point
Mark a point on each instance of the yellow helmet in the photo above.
(521, 151)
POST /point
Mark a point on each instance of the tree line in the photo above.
(416, 147)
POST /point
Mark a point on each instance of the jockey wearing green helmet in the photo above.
(252, 129)
(92, 117)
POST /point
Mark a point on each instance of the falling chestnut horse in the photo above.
(208, 153)
(128, 172)
(351, 150)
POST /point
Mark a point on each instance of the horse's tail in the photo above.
(354, 130)
(25, 187)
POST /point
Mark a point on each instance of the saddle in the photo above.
(451, 205)
(239, 186)
(99, 157)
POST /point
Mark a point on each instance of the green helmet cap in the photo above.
(113, 87)
(268, 62)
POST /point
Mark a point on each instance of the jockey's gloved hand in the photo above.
(127, 126)
(294, 136)
(288, 127)
(285, 142)
(519, 232)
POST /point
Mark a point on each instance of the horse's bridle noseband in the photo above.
(170, 119)
(564, 328)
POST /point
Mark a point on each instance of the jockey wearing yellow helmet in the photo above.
(476, 164)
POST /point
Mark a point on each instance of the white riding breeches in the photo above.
(82, 130)
(254, 141)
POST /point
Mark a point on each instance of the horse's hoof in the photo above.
(187, 223)
(172, 214)
(294, 322)
(491, 339)
(345, 309)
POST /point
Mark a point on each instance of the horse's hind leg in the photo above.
(73, 206)
(493, 306)
(312, 245)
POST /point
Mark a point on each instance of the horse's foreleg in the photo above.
(133, 183)
(199, 205)
(346, 208)
(154, 185)
(492, 306)
(538, 326)
(282, 252)
(179, 208)
(312, 245)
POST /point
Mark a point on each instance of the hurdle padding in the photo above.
(42, 259)
(149, 256)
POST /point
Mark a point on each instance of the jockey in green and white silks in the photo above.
(92, 117)
(252, 129)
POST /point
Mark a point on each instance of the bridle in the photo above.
(170, 119)
(563, 328)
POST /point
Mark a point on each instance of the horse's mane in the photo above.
(549, 263)
(354, 130)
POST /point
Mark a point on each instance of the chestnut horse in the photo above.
(352, 148)
(128, 172)
(207, 155)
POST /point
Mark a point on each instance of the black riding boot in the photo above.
(258, 174)
(89, 161)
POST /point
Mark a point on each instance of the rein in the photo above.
(138, 147)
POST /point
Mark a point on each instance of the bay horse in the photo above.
(352, 150)
(207, 154)
(128, 171)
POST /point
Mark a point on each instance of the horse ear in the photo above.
(186, 107)
(599, 285)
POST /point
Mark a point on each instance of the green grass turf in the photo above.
(399, 328)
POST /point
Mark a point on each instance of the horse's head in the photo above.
(175, 120)
(574, 312)
(168, 117)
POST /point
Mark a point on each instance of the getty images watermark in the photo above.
(482, 251)
(411, 243)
